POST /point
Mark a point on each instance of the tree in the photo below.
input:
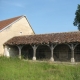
(77, 18)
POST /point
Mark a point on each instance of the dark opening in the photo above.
(62, 53)
(43, 52)
(27, 52)
(13, 50)
(77, 53)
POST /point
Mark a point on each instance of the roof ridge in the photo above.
(58, 33)
(6, 23)
(72, 37)
(11, 18)
(49, 34)
(69, 32)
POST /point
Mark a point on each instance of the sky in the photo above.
(44, 16)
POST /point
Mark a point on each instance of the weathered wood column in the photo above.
(72, 53)
(52, 48)
(34, 51)
(19, 47)
(72, 47)
(52, 51)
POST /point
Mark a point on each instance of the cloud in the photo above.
(18, 5)
(15, 4)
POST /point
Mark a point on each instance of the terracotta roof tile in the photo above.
(59, 38)
(5, 23)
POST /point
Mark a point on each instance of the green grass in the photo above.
(15, 69)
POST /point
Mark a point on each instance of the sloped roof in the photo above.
(5, 23)
(66, 37)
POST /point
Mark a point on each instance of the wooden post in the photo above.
(34, 52)
(72, 53)
(52, 51)
(19, 47)
(52, 48)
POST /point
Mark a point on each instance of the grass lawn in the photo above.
(15, 69)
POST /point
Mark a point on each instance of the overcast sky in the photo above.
(45, 16)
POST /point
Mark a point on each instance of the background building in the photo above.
(16, 26)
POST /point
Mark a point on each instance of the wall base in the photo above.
(52, 59)
(72, 60)
(34, 58)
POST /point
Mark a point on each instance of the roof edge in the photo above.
(11, 23)
(29, 24)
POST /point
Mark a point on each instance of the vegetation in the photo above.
(15, 69)
(77, 18)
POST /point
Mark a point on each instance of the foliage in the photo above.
(77, 17)
(15, 69)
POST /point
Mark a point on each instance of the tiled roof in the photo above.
(59, 38)
(5, 23)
